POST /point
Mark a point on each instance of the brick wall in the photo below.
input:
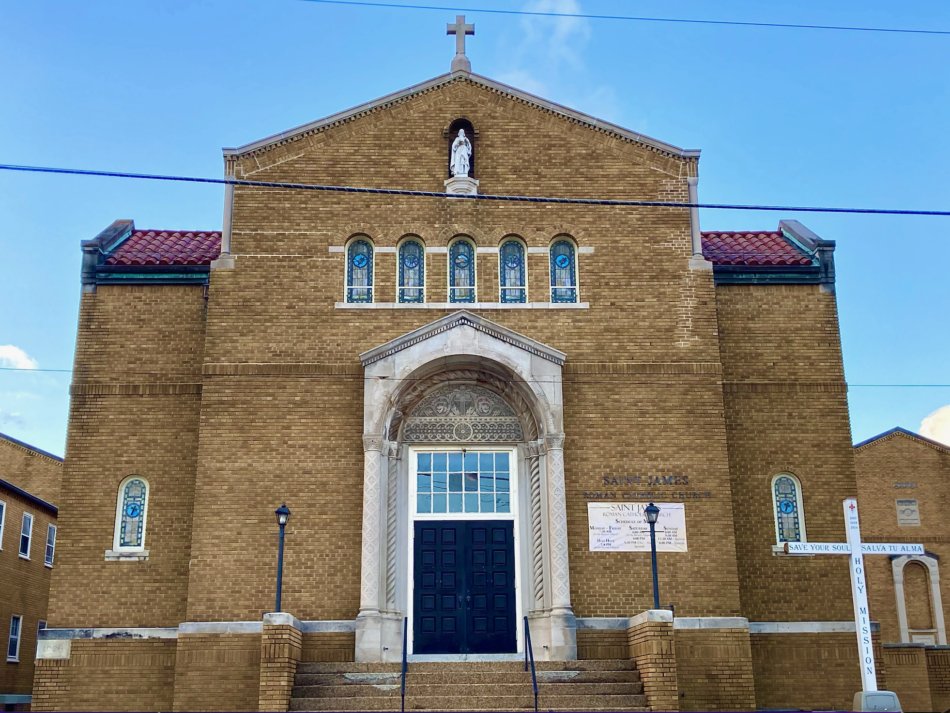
(938, 670)
(908, 677)
(602, 644)
(714, 670)
(328, 647)
(280, 653)
(32, 471)
(216, 672)
(652, 646)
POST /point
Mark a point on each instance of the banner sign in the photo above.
(843, 548)
(623, 527)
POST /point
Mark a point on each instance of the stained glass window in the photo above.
(788, 516)
(359, 272)
(412, 266)
(133, 502)
(463, 482)
(563, 272)
(511, 270)
(462, 271)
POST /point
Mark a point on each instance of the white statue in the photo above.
(461, 155)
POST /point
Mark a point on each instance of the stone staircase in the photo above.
(469, 686)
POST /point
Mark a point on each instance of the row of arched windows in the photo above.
(461, 255)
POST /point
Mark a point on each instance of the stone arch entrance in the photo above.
(466, 381)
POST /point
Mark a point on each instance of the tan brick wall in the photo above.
(29, 470)
(328, 647)
(218, 672)
(602, 644)
(653, 647)
(938, 670)
(714, 670)
(280, 653)
(24, 587)
(907, 676)
(101, 675)
(899, 458)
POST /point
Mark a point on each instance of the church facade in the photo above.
(451, 395)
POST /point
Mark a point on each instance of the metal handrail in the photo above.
(529, 654)
(405, 640)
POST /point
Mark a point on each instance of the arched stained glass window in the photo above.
(359, 271)
(132, 510)
(511, 270)
(787, 502)
(563, 272)
(462, 271)
(412, 272)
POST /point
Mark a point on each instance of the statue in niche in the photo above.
(461, 155)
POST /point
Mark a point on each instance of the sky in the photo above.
(783, 116)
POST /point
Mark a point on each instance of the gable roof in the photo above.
(31, 449)
(460, 76)
(904, 433)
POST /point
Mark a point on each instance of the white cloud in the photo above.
(937, 425)
(15, 358)
(14, 419)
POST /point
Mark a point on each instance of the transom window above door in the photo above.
(463, 482)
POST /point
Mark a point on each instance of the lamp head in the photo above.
(652, 513)
(282, 513)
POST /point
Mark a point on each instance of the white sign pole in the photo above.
(859, 595)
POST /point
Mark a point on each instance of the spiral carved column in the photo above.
(537, 544)
(391, 526)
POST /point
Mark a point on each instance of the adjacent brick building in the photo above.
(27, 557)
(429, 380)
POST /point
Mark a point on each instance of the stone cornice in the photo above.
(904, 433)
(463, 318)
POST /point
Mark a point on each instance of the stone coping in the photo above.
(806, 627)
(710, 622)
(201, 627)
(651, 615)
(601, 623)
(110, 633)
(912, 645)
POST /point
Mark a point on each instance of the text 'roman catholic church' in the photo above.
(466, 405)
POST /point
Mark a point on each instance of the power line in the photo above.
(466, 196)
(685, 21)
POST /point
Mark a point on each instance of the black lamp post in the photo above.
(652, 513)
(283, 514)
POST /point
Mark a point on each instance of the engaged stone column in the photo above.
(650, 636)
(281, 644)
(563, 625)
(368, 641)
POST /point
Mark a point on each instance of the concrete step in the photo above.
(477, 690)
(461, 678)
(471, 703)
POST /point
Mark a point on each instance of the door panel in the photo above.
(464, 589)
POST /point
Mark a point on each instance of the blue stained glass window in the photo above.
(132, 516)
(359, 272)
(462, 271)
(563, 272)
(511, 269)
(412, 266)
(787, 514)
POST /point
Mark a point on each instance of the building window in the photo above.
(13, 643)
(130, 517)
(359, 271)
(511, 272)
(39, 627)
(26, 535)
(50, 544)
(563, 271)
(3, 519)
(412, 271)
(462, 271)
(787, 505)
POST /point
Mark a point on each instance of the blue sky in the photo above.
(790, 117)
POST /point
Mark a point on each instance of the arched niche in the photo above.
(450, 132)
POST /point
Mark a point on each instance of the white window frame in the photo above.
(798, 497)
(116, 534)
(524, 287)
(346, 270)
(40, 625)
(3, 519)
(18, 618)
(425, 273)
(448, 266)
(50, 552)
(29, 536)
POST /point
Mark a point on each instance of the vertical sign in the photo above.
(859, 595)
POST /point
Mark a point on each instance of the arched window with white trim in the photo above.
(563, 255)
(787, 507)
(511, 271)
(359, 270)
(131, 513)
(462, 270)
(412, 271)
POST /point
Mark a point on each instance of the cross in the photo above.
(460, 29)
(859, 591)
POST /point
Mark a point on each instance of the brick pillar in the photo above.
(650, 637)
(938, 672)
(281, 642)
(880, 665)
(49, 684)
(907, 675)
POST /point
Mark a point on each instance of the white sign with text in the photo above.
(623, 527)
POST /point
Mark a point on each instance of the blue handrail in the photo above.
(529, 655)
(405, 648)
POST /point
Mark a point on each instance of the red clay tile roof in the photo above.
(167, 247)
(761, 248)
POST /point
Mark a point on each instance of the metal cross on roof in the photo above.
(460, 62)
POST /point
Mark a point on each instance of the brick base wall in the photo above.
(218, 672)
(938, 670)
(906, 671)
(328, 646)
(280, 652)
(714, 669)
(602, 644)
(652, 647)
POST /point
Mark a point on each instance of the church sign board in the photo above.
(623, 527)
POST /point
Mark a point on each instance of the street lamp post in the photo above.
(652, 513)
(283, 514)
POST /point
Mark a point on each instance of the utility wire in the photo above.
(686, 21)
(465, 196)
